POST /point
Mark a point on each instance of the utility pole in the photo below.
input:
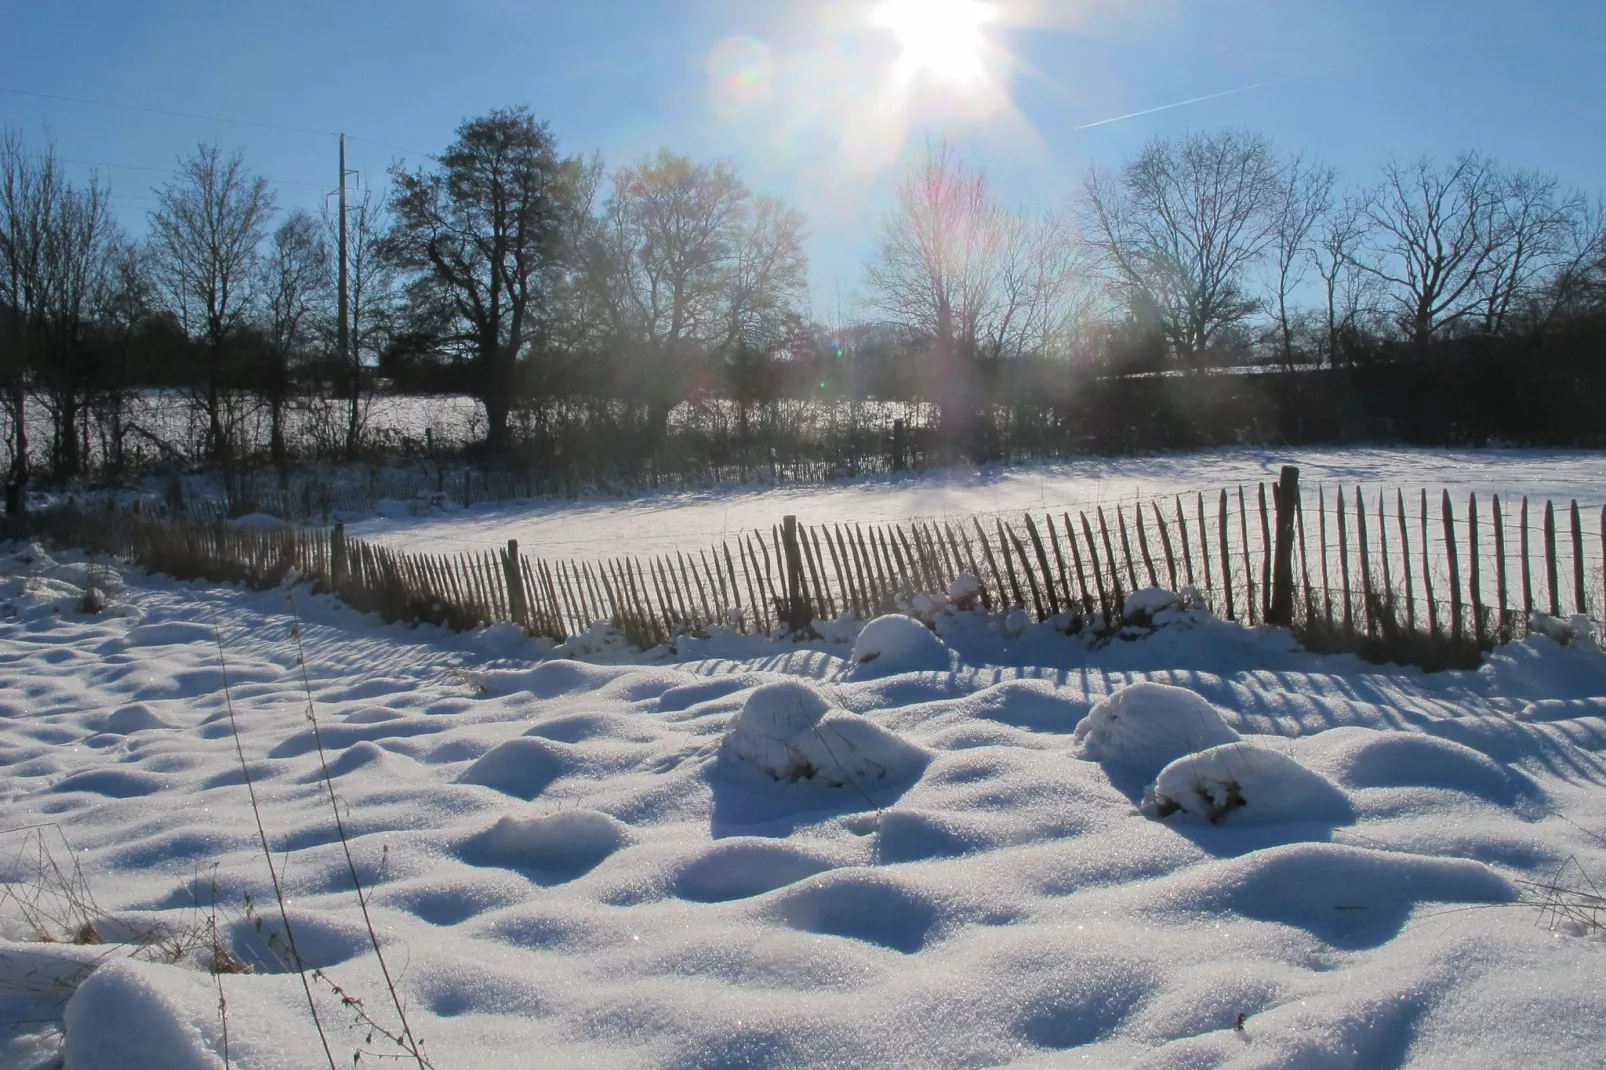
(343, 330)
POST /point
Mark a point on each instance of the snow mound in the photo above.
(1145, 727)
(130, 719)
(743, 868)
(1411, 759)
(522, 768)
(120, 1017)
(868, 905)
(1352, 897)
(965, 588)
(1245, 784)
(258, 522)
(789, 731)
(569, 842)
(895, 644)
(170, 633)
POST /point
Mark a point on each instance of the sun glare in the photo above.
(942, 39)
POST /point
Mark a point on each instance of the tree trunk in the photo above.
(17, 484)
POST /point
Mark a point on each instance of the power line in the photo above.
(159, 170)
(167, 112)
(206, 118)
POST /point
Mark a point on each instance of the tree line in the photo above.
(585, 307)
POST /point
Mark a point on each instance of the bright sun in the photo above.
(939, 38)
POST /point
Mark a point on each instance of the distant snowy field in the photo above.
(659, 523)
(885, 849)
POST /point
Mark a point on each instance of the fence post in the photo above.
(337, 557)
(517, 603)
(797, 598)
(1285, 496)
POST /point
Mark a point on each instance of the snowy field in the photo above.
(654, 524)
(976, 847)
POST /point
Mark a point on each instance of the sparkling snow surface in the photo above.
(583, 864)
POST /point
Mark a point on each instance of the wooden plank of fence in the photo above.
(1304, 556)
(1026, 567)
(1143, 545)
(1042, 560)
(1226, 557)
(1076, 563)
(1126, 548)
(1410, 600)
(822, 593)
(1009, 565)
(1249, 567)
(1365, 562)
(1386, 596)
(1165, 545)
(1266, 556)
(1071, 601)
(1427, 570)
(1501, 592)
(1455, 569)
(992, 562)
(1098, 575)
(1182, 537)
(1343, 562)
(1327, 584)
(1204, 546)
(1580, 596)
(1474, 567)
(755, 583)
(1550, 558)
(1527, 563)
(1111, 559)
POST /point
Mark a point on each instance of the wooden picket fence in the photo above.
(1391, 576)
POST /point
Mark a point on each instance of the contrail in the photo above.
(1207, 96)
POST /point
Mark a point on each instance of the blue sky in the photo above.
(1354, 81)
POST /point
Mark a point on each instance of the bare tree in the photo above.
(372, 300)
(295, 289)
(1529, 226)
(30, 189)
(695, 267)
(1182, 226)
(1578, 285)
(1304, 198)
(482, 235)
(207, 236)
(1435, 240)
(1348, 291)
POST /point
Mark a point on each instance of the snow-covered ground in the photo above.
(876, 850)
(659, 523)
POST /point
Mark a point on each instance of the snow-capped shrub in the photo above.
(1143, 605)
(1015, 624)
(897, 644)
(790, 732)
(1243, 783)
(1146, 726)
(1576, 630)
(965, 591)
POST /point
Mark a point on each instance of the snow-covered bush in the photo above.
(1577, 630)
(1243, 783)
(897, 644)
(1147, 726)
(790, 732)
(965, 591)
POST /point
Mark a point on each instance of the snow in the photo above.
(646, 524)
(1145, 727)
(747, 852)
(895, 644)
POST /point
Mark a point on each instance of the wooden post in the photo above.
(1042, 560)
(1182, 536)
(1285, 495)
(1386, 595)
(1165, 544)
(1143, 546)
(1368, 595)
(1327, 583)
(1126, 547)
(802, 619)
(518, 604)
(1580, 597)
(1249, 565)
(1455, 570)
(1267, 554)
(1098, 574)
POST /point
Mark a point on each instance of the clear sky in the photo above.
(815, 101)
